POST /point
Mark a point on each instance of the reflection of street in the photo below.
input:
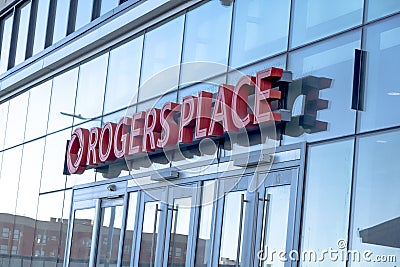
(16, 244)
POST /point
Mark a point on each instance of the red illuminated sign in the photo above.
(154, 129)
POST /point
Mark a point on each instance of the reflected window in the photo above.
(62, 100)
(148, 239)
(380, 8)
(9, 179)
(107, 5)
(6, 42)
(382, 90)
(260, 29)
(17, 118)
(61, 20)
(22, 38)
(234, 210)
(331, 64)
(91, 86)
(38, 111)
(377, 205)
(129, 230)
(203, 242)
(161, 54)
(314, 19)
(53, 161)
(82, 237)
(41, 26)
(203, 44)
(327, 198)
(123, 75)
(5, 232)
(83, 13)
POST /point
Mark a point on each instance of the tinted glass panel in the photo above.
(41, 26)
(327, 198)
(148, 240)
(17, 118)
(90, 92)
(203, 44)
(38, 111)
(382, 95)
(230, 229)
(9, 179)
(107, 5)
(83, 13)
(3, 122)
(82, 237)
(377, 205)
(5, 46)
(22, 33)
(379, 8)
(62, 100)
(53, 163)
(179, 232)
(27, 202)
(61, 20)
(129, 230)
(47, 230)
(260, 30)
(314, 19)
(123, 75)
(203, 243)
(162, 49)
(332, 60)
(110, 230)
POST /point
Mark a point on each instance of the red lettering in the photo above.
(188, 119)
(203, 117)
(93, 149)
(136, 135)
(121, 145)
(240, 103)
(152, 130)
(77, 151)
(106, 144)
(170, 128)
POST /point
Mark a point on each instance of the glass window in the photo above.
(41, 26)
(17, 118)
(83, 13)
(129, 230)
(110, 231)
(332, 63)
(38, 111)
(327, 198)
(203, 242)
(376, 205)
(107, 5)
(62, 101)
(6, 42)
(123, 75)
(5, 233)
(53, 161)
(230, 229)
(380, 8)
(203, 44)
(148, 240)
(3, 123)
(64, 226)
(48, 224)
(162, 50)
(382, 93)
(22, 33)
(61, 20)
(91, 86)
(314, 19)
(9, 179)
(260, 29)
(31, 170)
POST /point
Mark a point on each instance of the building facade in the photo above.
(312, 185)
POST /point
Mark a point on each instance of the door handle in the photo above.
(243, 201)
(153, 237)
(266, 202)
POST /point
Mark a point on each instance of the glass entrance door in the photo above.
(275, 213)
